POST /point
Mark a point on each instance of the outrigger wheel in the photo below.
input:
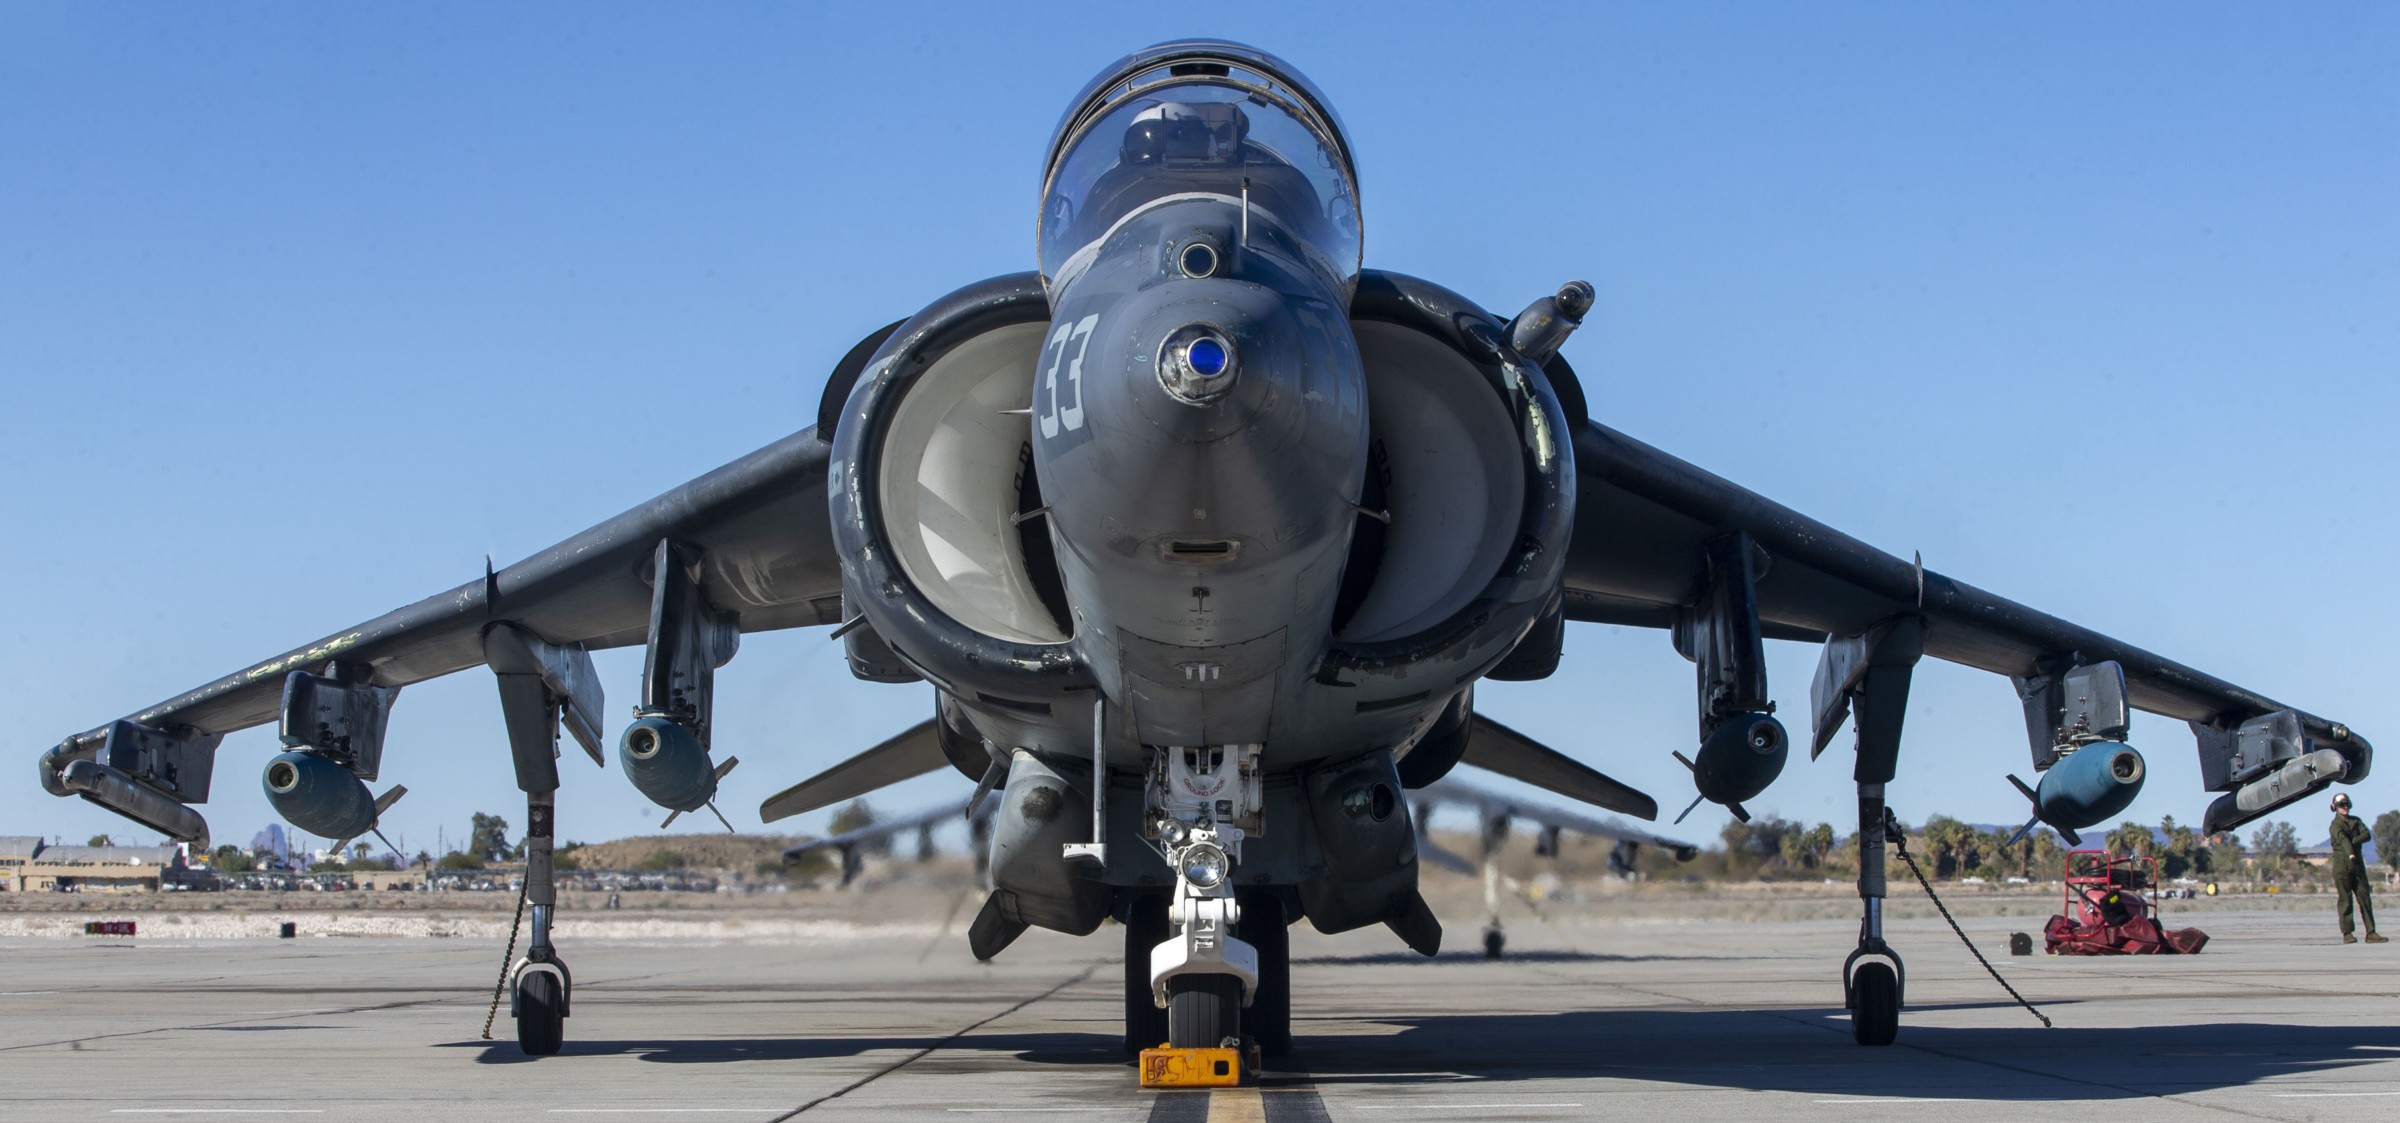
(1874, 1004)
(541, 1013)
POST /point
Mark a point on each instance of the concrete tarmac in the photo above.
(2275, 1020)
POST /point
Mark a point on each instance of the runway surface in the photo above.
(2275, 1020)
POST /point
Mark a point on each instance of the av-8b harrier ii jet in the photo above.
(1204, 535)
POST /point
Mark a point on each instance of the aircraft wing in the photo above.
(754, 535)
(1645, 522)
(945, 813)
(765, 552)
(1451, 789)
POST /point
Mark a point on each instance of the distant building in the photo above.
(16, 851)
(2322, 854)
(27, 865)
(272, 842)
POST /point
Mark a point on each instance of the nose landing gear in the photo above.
(1204, 973)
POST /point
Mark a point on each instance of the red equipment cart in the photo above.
(2107, 913)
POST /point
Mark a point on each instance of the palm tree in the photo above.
(2130, 838)
(1945, 841)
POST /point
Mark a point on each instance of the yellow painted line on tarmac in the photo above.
(1446, 1106)
(1236, 1105)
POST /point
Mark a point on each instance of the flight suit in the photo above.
(2350, 871)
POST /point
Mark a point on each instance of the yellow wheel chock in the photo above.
(1191, 1068)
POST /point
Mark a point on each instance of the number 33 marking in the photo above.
(1060, 415)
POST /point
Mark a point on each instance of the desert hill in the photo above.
(741, 852)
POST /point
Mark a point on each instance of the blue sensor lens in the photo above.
(1207, 357)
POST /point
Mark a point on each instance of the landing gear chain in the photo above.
(1900, 842)
(508, 959)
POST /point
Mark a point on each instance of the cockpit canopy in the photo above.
(1199, 120)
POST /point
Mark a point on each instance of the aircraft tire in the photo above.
(1265, 926)
(1495, 942)
(1203, 1010)
(1875, 1004)
(1146, 927)
(541, 1014)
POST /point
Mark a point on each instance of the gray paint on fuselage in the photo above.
(1203, 648)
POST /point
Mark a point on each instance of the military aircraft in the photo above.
(1495, 814)
(852, 845)
(1204, 534)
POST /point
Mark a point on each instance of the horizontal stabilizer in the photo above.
(1496, 747)
(887, 828)
(905, 757)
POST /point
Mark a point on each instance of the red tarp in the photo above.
(2139, 935)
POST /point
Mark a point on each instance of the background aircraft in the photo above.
(852, 846)
(1495, 812)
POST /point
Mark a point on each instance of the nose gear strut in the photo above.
(1201, 803)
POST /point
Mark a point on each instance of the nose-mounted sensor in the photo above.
(1196, 364)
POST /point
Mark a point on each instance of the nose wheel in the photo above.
(1203, 1011)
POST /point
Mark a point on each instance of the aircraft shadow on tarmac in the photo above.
(1790, 1050)
(1544, 955)
(1810, 1051)
(1038, 1048)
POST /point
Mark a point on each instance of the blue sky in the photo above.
(305, 310)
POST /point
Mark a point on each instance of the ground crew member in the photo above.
(2350, 868)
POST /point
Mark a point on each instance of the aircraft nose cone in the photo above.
(1197, 364)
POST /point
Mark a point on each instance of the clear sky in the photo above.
(306, 309)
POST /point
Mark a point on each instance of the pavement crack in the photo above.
(928, 1050)
(78, 1042)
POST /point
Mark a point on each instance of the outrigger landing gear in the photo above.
(1495, 835)
(1869, 674)
(543, 687)
(1872, 990)
(541, 983)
